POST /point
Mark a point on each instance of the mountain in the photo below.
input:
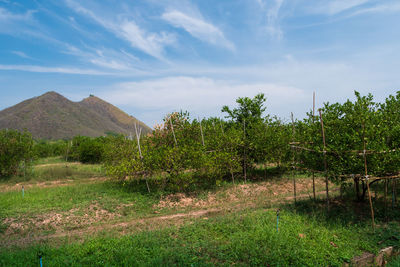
(52, 116)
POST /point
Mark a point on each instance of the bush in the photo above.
(15, 151)
(86, 149)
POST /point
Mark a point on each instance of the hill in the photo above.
(52, 116)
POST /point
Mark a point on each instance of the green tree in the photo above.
(15, 151)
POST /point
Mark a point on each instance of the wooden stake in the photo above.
(313, 184)
(325, 164)
(172, 128)
(393, 198)
(385, 197)
(293, 159)
(138, 133)
(244, 151)
(313, 173)
(201, 131)
(230, 165)
(366, 179)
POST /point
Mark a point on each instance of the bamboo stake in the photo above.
(325, 164)
(313, 173)
(393, 189)
(230, 165)
(138, 133)
(385, 200)
(201, 131)
(293, 159)
(366, 178)
(173, 132)
(313, 184)
(244, 151)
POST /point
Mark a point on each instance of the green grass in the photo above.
(50, 160)
(245, 238)
(50, 169)
(395, 262)
(63, 198)
(308, 235)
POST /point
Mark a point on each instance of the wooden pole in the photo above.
(138, 133)
(313, 173)
(230, 164)
(313, 184)
(173, 132)
(366, 178)
(293, 159)
(385, 197)
(325, 164)
(244, 151)
(201, 131)
(393, 193)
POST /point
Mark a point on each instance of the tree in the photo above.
(15, 148)
(249, 110)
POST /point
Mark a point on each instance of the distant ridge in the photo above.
(52, 116)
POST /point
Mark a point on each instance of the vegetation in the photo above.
(15, 152)
(73, 215)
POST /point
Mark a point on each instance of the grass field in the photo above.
(85, 218)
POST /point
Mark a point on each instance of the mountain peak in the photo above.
(52, 116)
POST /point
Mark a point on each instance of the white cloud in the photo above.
(14, 24)
(151, 43)
(7, 16)
(40, 69)
(21, 54)
(334, 7)
(273, 26)
(272, 9)
(102, 58)
(200, 95)
(198, 28)
(385, 8)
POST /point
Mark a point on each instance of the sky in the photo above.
(152, 57)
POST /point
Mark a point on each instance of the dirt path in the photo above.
(46, 184)
(58, 164)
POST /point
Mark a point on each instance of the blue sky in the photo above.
(151, 57)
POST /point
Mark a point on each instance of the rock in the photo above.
(383, 253)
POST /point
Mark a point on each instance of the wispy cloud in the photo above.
(150, 43)
(21, 54)
(65, 70)
(113, 60)
(13, 23)
(384, 8)
(334, 7)
(272, 9)
(198, 28)
(7, 16)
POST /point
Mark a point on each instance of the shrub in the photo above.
(15, 150)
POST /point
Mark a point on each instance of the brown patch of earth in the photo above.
(55, 183)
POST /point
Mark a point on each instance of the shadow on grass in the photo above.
(345, 211)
